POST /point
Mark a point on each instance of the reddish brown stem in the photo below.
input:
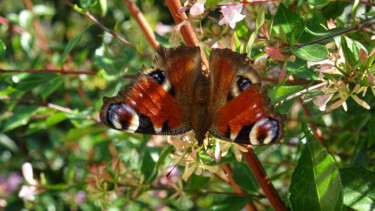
(262, 178)
(48, 71)
(186, 30)
(276, 80)
(115, 35)
(38, 29)
(237, 189)
(16, 28)
(142, 22)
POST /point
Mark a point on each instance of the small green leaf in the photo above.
(324, 33)
(355, 8)
(77, 133)
(51, 86)
(160, 161)
(21, 116)
(34, 80)
(2, 50)
(283, 92)
(250, 44)
(237, 43)
(104, 6)
(244, 177)
(359, 188)
(312, 53)
(260, 20)
(71, 44)
(8, 143)
(371, 131)
(211, 3)
(55, 118)
(197, 182)
(231, 203)
(316, 182)
(85, 4)
(318, 3)
(290, 21)
(148, 166)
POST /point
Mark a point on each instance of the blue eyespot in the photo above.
(158, 76)
(243, 83)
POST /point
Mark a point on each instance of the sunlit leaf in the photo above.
(359, 188)
(21, 116)
(312, 53)
(315, 183)
(290, 21)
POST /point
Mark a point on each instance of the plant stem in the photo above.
(186, 29)
(263, 179)
(358, 26)
(142, 22)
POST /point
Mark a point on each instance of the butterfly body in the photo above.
(176, 97)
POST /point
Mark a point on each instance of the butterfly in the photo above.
(175, 97)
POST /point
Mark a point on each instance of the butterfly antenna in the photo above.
(183, 156)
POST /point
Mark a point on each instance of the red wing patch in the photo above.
(151, 100)
(245, 109)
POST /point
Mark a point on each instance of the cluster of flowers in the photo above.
(231, 14)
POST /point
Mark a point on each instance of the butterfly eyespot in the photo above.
(158, 76)
(243, 83)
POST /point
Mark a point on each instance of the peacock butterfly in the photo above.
(176, 97)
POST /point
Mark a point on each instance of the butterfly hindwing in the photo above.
(152, 102)
(240, 108)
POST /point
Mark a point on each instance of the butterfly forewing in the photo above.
(241, 109)
(152, 102)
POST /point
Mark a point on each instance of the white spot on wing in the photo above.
(157, 129)
(134, 121)
(166, 85)
(233, 136)
(265, 124)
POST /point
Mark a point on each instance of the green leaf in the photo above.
(55, 118)
(34, 80)
(197, 182)
(312, 53)
(231, 203)
(355, 8)
(324, 33)
(21, 116)
(250, 44)
(237, 43)
(71, 44)
(244, 177)
(104, 6)
(359, 188)
(77, 133)
(8, 143)
(160, 161)
(51, 86)
(318, 3)
(211, 3)
(85, 4)
(315, 182)
(2, 50)
(291, 23)
(371, 131)
(283, 92)
(260, 20)
(148, 166)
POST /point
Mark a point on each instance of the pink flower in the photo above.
(27, 193)
(27, 171)
(232, 15)
(197, 8)
(322, 101)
